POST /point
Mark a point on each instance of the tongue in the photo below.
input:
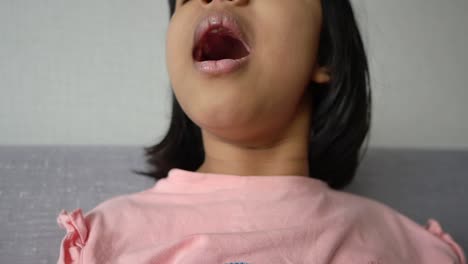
(218, 47)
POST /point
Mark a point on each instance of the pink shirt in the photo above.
(193, 218)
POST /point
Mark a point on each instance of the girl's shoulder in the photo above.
(105, 223)
(383, 224)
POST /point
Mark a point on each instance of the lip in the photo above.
(228, 21)
(219, 67)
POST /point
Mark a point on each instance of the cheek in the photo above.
(176, 64)
(285, 66)
(178, 48)
(179, 71)
(287, 54)
(173, 51)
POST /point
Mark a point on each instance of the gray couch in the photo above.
(37, 181)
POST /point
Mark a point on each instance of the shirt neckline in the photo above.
(185, 181)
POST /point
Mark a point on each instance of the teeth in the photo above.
(218, 30)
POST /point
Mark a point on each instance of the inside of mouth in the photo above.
(218, 46)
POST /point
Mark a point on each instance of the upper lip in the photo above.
(218, 19)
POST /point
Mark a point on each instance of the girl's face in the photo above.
(264, 95)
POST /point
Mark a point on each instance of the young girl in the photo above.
(271, 105)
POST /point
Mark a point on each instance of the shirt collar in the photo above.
(184, 181)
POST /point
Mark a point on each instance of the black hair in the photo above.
(340, 120)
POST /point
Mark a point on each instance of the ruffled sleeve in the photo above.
(435, 228)
(75, 238)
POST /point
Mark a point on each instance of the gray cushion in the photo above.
(37, 182)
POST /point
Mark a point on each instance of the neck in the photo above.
(282, 153)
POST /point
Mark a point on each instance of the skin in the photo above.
(254, 121)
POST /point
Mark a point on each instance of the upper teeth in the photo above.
(215, 30)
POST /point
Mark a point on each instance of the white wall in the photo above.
(93, 72)
(419, 61)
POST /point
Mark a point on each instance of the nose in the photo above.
(235, 2)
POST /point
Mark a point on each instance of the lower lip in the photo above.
(219, 67)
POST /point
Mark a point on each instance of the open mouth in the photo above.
(218, 44)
